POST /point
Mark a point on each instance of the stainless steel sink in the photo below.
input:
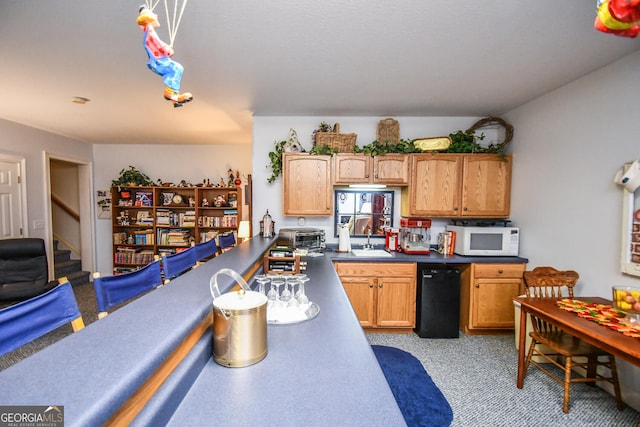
(373, 253)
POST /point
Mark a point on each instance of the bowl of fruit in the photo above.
(627, 299)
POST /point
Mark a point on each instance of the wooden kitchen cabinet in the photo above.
(458, 185)
(383, 295)
(486, 297)
(391, 169)
(307, 188)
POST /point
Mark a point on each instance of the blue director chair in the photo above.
(30, 319)
(114, 290)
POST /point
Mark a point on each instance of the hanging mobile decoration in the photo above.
(160, 53)
(619, 17)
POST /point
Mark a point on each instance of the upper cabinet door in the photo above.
(307, 186)
(486, 186)
(351, 169)
(392, 169)
(434, 186)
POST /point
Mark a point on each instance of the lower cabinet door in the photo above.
(362, 295)
(396, 302)
(493, 302)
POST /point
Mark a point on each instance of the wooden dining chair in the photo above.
(25, 321)
(560, 348)
(176, 264)
(114, 290)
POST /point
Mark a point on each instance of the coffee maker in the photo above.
(415, 235)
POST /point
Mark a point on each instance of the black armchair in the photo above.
(24, 271)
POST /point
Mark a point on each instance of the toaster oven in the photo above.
(311, 239)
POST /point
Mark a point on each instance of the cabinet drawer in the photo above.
(499, 270)
(395, 269)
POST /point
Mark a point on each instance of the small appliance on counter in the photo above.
(344, 242)
(311, 239)
(392, 239)
(486, 238)
(415, 235)
(267, 226)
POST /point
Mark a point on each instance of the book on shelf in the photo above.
(446, 242)
(144, 218)
(208, 235)
(173, 237)
(144, 237)
(163, 216)
(132, 255)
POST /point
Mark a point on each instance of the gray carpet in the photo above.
(477, 375)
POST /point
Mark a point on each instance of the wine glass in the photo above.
(303, 299)
(277, 282)
(302, 278)
(286, 295)
(292, 302)
(262, 280)
(301, 295)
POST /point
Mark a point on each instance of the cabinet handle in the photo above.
(477, 285)
(464, 209)
(366, 176)
(380, 285)
(455, 209)
(376, 176)
(500, 271)
(371, 285)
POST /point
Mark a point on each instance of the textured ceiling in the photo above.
(283, 58)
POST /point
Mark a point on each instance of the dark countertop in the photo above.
(432, 258)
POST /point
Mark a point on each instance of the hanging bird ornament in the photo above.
(160, 53)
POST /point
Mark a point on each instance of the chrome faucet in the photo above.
(368, 245)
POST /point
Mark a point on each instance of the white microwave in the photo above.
(485, 241)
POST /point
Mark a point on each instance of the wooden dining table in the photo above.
(624, 347)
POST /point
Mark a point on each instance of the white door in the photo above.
(10, 203)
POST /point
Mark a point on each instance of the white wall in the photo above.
(193, 163)
(568, 146)
(31, 143)
(268, 130)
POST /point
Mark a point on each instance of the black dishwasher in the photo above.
(438, 302)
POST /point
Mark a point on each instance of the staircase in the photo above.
(64, 266)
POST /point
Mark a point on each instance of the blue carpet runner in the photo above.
(420, 400)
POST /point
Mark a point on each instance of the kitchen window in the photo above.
(364, 211)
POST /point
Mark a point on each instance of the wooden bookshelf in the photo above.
(149, 221)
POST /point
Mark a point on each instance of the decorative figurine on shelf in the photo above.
(230, 182)
(123, 219)
(238, 181)
(160, 61)
(293, 145)
(192, 202)
(205, 203)
(220, 201)
(222, 183)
